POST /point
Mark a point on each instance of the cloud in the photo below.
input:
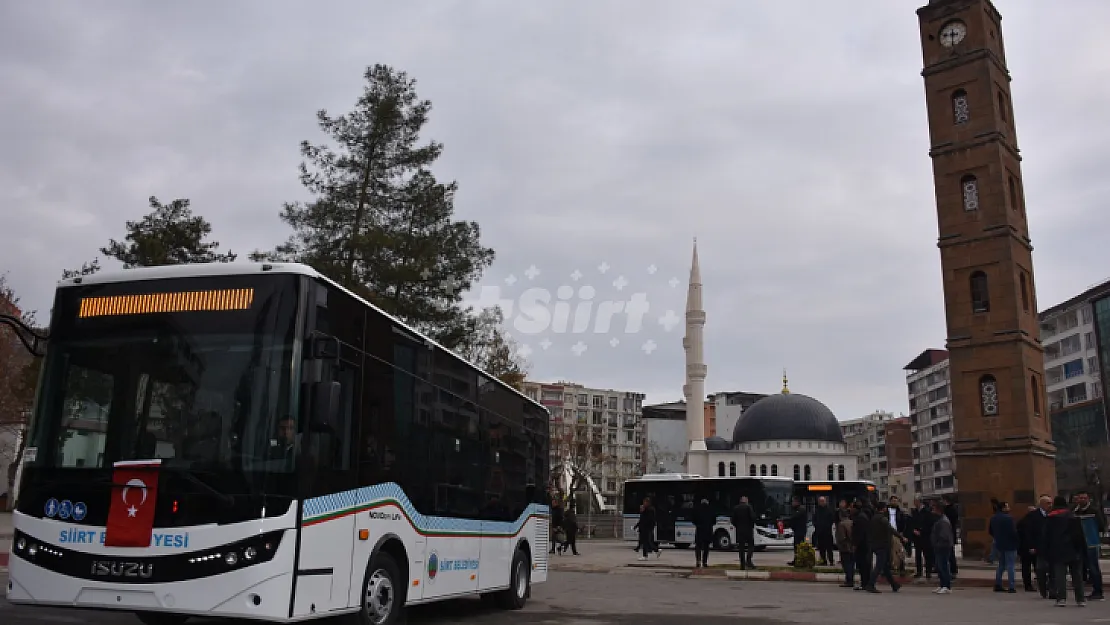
(791, 140)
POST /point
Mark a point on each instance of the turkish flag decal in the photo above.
(131, 513)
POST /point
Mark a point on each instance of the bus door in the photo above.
(666, 509)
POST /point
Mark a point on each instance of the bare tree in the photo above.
(655, 456)
(576, 444)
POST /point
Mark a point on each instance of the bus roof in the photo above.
(200, 270)
(663, 477)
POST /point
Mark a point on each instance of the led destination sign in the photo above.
(189, 301)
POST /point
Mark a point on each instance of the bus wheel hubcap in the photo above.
(379, 597)
(521, 580)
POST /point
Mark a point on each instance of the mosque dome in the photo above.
(716, 443)
(787, 417)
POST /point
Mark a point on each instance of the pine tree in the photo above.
(168, 235)
(380, 223)
(492, 350)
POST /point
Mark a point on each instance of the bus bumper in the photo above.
(261, 591)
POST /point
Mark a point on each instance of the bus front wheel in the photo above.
(722, 541)
(382, 592)
(520, 583)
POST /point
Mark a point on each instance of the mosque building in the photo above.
(787, 435)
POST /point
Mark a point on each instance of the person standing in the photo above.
(844, 546)
(1093, 521)
(1005, 535)
(824, 522)
(1064, 544)
(743, 521)
(570, 526)
(922, 520)
(799, 527)
(646, 527)
(880, 535)
(862, 556)
(704, 520)
(556, 522)
(1029, 530)
(953, 514)
(942, 540)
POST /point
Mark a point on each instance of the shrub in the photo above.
(805, 557)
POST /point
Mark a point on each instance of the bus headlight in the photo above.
(21, 544)
(249, 553)
(231, 558)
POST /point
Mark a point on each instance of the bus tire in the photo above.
(760, 548)
(722, 541)
(383, 592)
(520, 583)
(682, 545)
(161, 618)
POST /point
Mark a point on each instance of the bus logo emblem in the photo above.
(433, 566)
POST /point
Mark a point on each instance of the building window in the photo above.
(751, 470)
(1024, 291)
(774, 470)
(961, 112)
(970, 186)
(721, 469)
(840, 473)
(809, 474)
(830, 472)
(797, 473)
(988, 394)
(763, 470)
(732, 469)
(1036, 394)
(980, 296)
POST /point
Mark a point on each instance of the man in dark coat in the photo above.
(921, 522)
(881, 534)
(704, 520)
(556, 521)
(646, 527)
(860, 544)
(824, 521)
(743, 521)
(1029, 528)
(1065, 543)
(799, 526)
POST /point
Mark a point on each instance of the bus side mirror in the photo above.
(324, 347)
(327, 396)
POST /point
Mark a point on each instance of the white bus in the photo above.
(254, 441)
(674, 496)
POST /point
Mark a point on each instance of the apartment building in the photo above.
(600, 431)
(931, 428)
(1076, 339)
(867, 440)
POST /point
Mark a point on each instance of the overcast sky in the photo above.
(789, 138)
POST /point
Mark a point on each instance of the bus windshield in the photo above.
(196, 371)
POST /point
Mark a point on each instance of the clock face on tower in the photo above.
(952, 33)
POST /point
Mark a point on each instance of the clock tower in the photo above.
(1002, 439)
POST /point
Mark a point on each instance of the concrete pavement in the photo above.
(589, 599)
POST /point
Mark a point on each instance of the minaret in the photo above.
(695, 372)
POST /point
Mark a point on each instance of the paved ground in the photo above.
(588, 599)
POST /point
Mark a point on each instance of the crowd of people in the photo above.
(1054, 541)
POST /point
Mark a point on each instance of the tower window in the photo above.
(809, 474)
(751, 470)
(1003, 110)
(1036, 394)
(988, 395)
(961, 113)
(1024, 291)
(980, 296)
(721, 469)
(970, 186)
(840, 473)
(774, 470)
(732, 469)
(797, 473)
(830, 472)
(763, 470)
